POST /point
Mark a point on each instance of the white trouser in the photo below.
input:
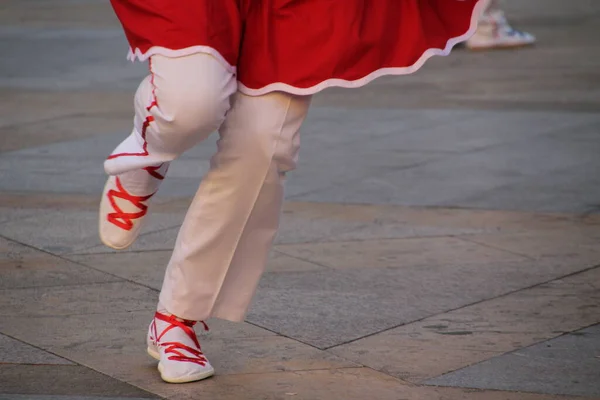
(223, 244)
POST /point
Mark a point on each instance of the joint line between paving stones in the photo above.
(39, 348)
(375, 171)
(504, 354)
(515, 253)
(43, 120)
(67, 285)
(109, 252)
(282, 335)
(75, 364)
(301, 258)
(465, 306)
(79, 263)
(140, 236)
(319, 241)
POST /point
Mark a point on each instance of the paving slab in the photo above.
(569, 364)
(453, 340)
(489, 221)
(398, 253)
(111, 334)
(99, 68)
(64, 231)
(346, 383)
(354, 309)
(579, 246)
(22, 134)
(67, 13)
(17, 205)
(71, 381)
(148, 267)
(10, 214)
(79, 299)
(24, 267)
(114, 344)
(13, 351)
(47, 270)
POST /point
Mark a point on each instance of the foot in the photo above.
(494, 32)
(174, 344)
(121, 212)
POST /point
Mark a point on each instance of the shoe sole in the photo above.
(193, 378)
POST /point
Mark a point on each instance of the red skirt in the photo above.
(300, 46)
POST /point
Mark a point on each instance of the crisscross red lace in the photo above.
(154, 171)
(124, 220)
(195, 354)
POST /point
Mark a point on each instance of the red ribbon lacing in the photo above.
(195, 355)
(124, 220)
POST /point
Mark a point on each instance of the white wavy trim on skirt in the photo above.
(335, 82)
(163, 51)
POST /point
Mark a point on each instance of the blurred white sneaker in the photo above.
(494, 32)
(174, 344)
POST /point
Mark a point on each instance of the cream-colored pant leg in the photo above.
(223, 244)
(179, 104)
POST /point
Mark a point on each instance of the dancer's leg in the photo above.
(223, 244)
(179, 104)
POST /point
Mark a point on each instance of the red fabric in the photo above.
(298, 42)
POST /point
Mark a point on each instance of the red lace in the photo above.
(174, 347)
(154, 171)
(124, 220)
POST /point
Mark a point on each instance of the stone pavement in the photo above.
(440, 239)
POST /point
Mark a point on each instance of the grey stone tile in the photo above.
(107, 336)
(567, 365)
(64, 231)
(61, 397)
(8, 214)
(22, 267)
(163, 241)
(567, 190)
(336, 306)
(60, 382)
(364, 125)
(299, 227)
(342, 383)
(60, 45)
(574, 246)
(81, 299)
(534, 173)
(420, 185)
(483, 130)
(15, 352)
(449, 341)
(146, 268)
(93, 149)
(46, 270)
(433, 252)
(114, 343)
(340, 166)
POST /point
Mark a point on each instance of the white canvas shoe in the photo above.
(174, 344)
(121, 215)
(122, 212)
(494, 32)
